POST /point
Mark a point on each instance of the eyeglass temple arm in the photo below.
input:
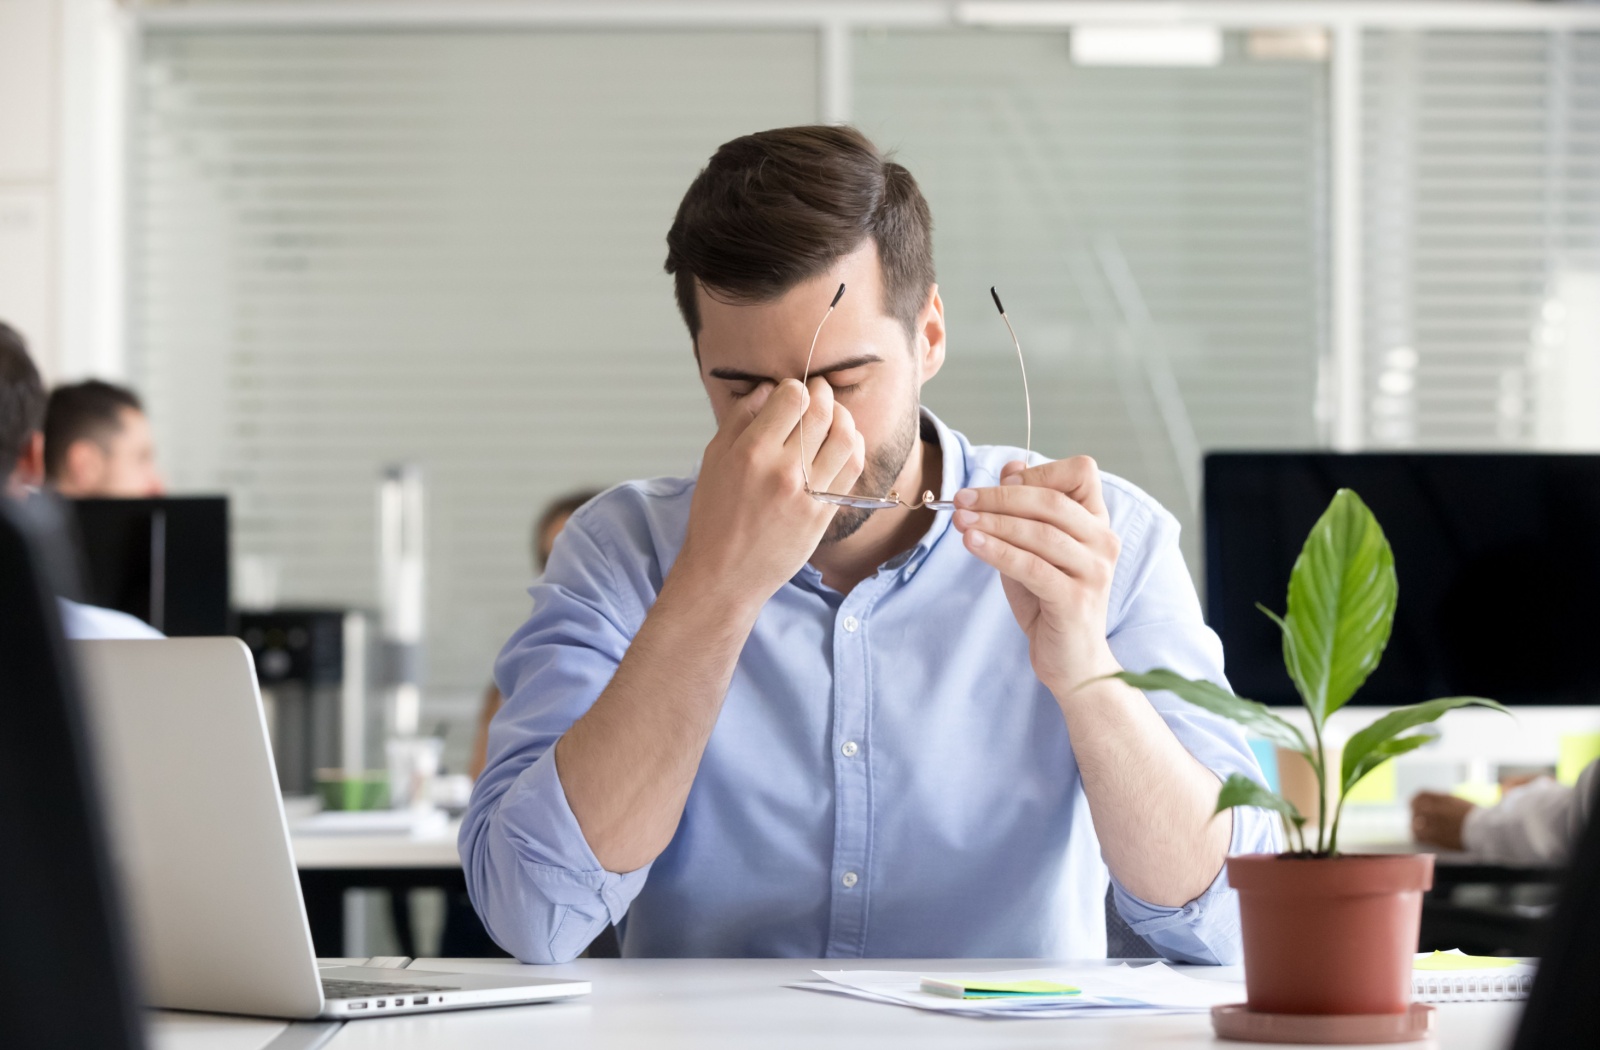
(1027, 400)
(805, 378)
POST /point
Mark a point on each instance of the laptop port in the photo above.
(357, 1006)
(419, 1000)
(383, 1002)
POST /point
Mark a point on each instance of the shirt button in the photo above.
(850, 879)
(850, 749)
(851, 623)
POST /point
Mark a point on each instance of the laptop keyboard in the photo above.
(336, 988)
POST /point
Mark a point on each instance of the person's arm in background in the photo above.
(1535, 824)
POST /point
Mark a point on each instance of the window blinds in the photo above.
(1482, 238)
(355, 248)
(1159, 235)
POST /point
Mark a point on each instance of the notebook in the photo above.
(1455, 977)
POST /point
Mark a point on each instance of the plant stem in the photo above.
(1318, 767)
(1333, 839)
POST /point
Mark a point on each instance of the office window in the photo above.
(1160, 236)
(1482, 239)
(355, 248)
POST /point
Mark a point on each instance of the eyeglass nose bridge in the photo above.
(893, 499)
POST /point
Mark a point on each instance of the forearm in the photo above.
(626, 766)
(1151, 800)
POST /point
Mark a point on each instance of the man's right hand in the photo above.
(751, 523)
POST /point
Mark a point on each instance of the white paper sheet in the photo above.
(1107, 991)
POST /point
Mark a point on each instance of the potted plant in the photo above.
(1327, 933)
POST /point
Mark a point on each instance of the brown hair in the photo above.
(21, 400)
(778, 207)
(87, 411)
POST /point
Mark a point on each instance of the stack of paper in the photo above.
(1086, 991)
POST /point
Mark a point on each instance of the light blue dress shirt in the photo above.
(887, 777)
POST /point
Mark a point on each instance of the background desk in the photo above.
(331, 864)
(711, 1004)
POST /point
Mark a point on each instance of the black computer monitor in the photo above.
(1498, 558)
(65, 978)
(162, 560)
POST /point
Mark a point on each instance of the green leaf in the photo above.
(1342, 594)
(1240, 790)
(1380, 754)
(1392, 725)
(1258, 718)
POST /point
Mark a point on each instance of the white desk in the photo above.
(710, 1004)
(436, 849)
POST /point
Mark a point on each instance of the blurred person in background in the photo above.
(22, 460)
(97, 443)
(1536, 823)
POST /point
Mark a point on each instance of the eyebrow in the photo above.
(848, 363)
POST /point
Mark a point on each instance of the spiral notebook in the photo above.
(1454, 977)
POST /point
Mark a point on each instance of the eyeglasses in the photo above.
(893, 498)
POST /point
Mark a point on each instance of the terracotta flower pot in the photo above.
(1330, 935)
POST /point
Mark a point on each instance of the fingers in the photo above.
(816, 421)
(1031, 571)
(839, 462)
(1049, 542)
(1013, 498)
(1077, 478)
(776, 419)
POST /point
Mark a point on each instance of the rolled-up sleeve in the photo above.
(532, 877)
(1157, 623)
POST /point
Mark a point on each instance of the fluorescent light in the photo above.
(1107, 45)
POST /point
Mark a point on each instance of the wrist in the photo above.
(1085, 672)
(716, 594)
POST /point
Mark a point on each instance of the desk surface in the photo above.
(707, 1004)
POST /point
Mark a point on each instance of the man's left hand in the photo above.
(1047, 531)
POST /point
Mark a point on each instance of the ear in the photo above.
(28, 473)
(929, 343)
(82, 467)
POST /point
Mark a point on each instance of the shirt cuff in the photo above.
(541, 827)
(1205, 930)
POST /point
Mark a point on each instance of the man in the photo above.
(97, 443)
(22, 459)
(755, 723)
(1538, 822)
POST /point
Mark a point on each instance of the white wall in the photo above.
(62, 101)
(29, 64)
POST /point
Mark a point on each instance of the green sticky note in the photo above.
(995, 989)
(1573, 752)
(1458, 961)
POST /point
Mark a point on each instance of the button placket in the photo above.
(852, 788)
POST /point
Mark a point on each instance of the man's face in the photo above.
(875, 369)
(122, 465)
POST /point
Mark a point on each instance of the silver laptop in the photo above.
(199, 831)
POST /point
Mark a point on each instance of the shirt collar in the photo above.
(955, 470)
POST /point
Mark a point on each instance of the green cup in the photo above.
(369, 790)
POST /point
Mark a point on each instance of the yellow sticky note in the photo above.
(1573, 753)
(1376, 788)
(1457, 961)
(1478, 794)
